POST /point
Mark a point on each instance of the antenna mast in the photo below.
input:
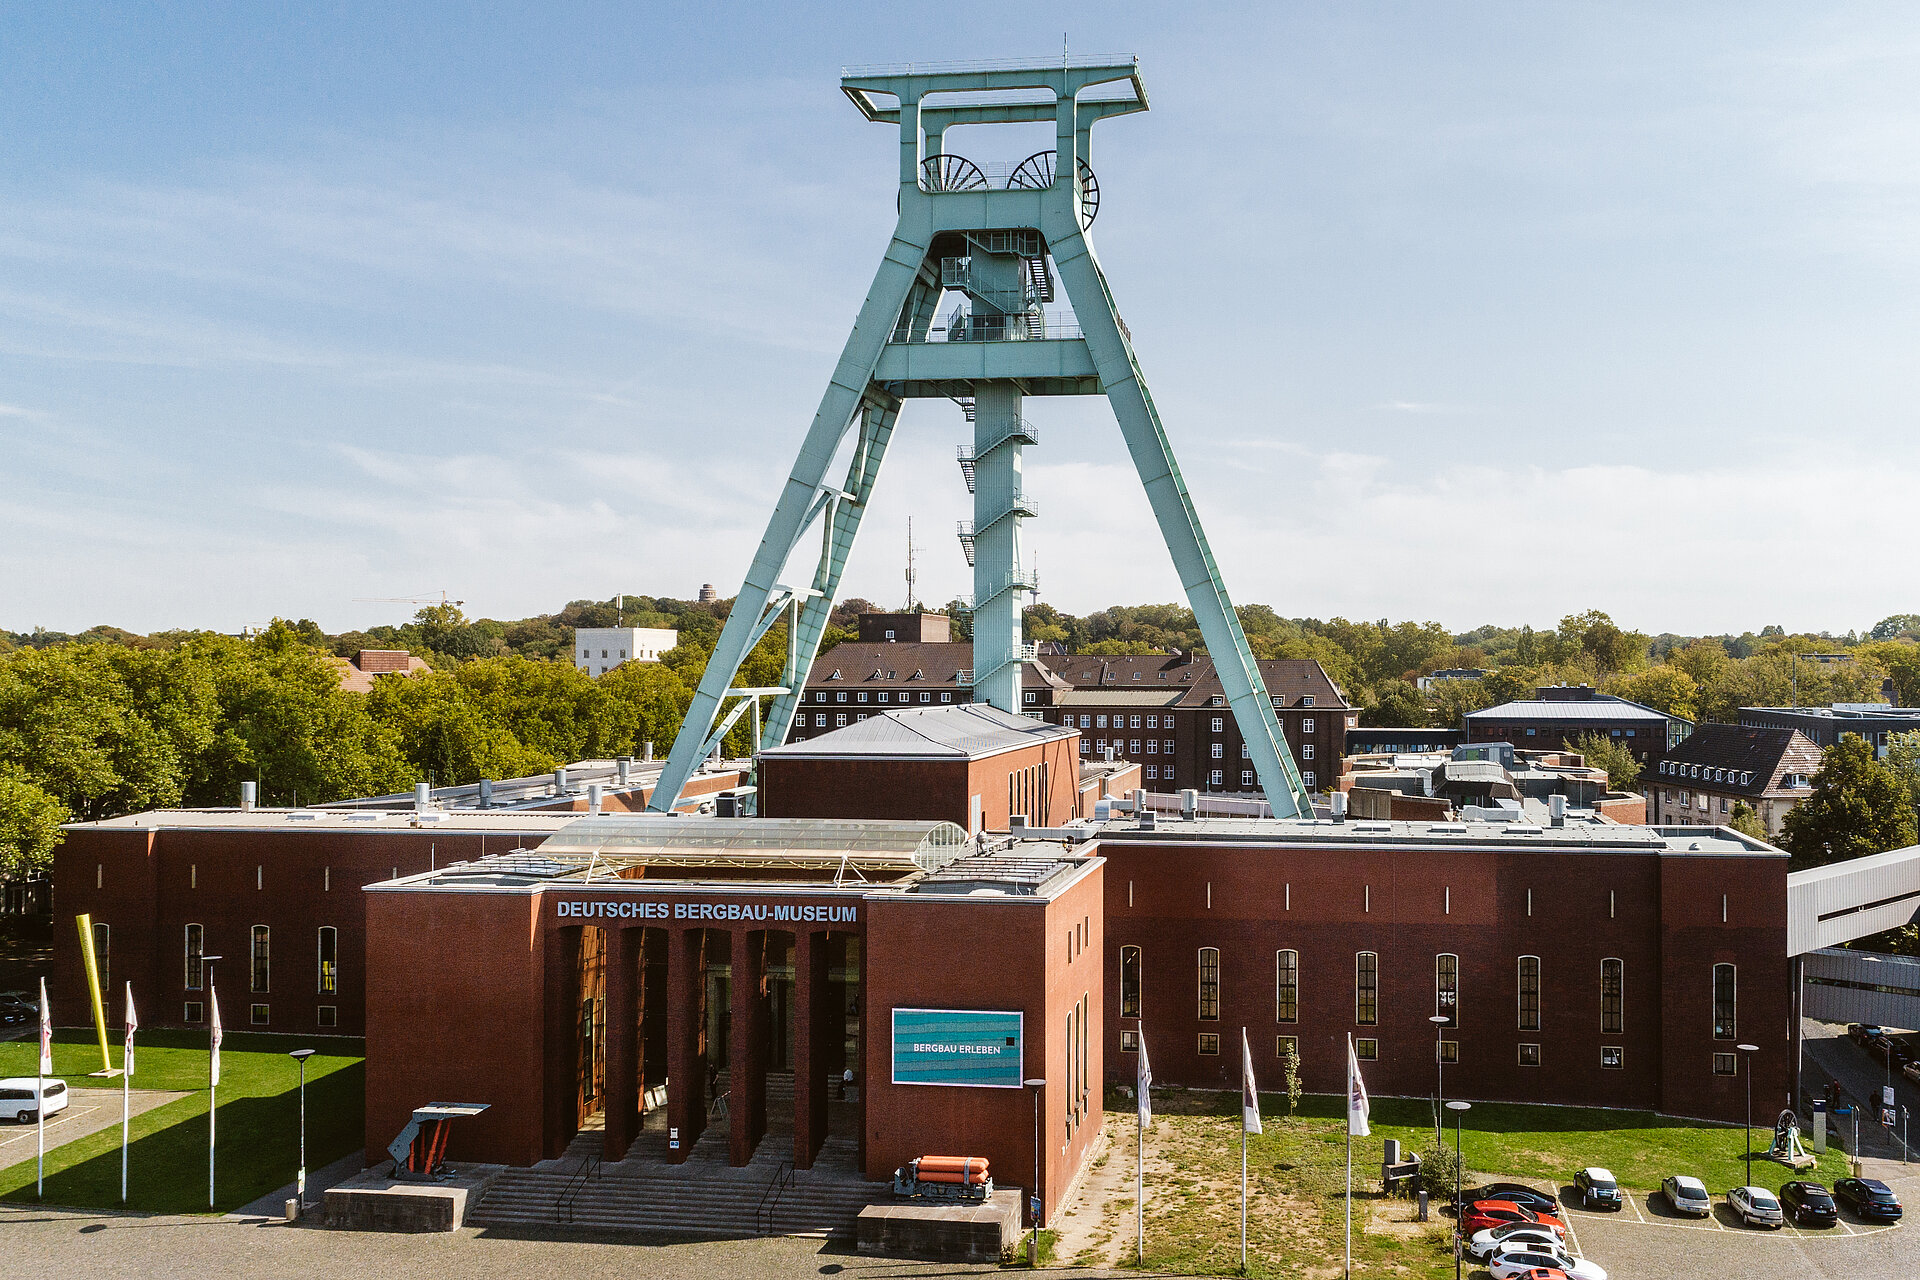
(912, 576)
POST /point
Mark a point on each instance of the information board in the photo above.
(973, 1048)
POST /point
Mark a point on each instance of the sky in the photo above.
(1486, 312)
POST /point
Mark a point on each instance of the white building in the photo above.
(598, 650)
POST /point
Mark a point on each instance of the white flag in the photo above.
(213, 1076)
(1143, 1082)
(46, 1032)
(133, 1025)
(1249, 1093)
(1357, 1108)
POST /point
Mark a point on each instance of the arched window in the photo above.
(329, 960)
(1529, 993)
(1129, 982)
(196, 941)
(1725, 993)
(1209, 984)
(1612, 996)
(1446, 988)
(1366, 989)
(1286, 986)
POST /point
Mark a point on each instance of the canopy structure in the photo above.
(612, 843)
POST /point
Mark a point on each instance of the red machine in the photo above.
(944, 1178)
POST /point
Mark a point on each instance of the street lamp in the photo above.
(300, 1056)
(1439, 1021)
(1749, 1050)
(1033, 1197)
(1459, 1110)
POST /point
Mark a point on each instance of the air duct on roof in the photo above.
(625, 766)
(594, 793)
(1339, 799)
(1557, 809)
(486, 793)
(249, 795)
(560, 781)
(422, 796)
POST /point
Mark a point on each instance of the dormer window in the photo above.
(835, 675)
(1306, 700)
(919, 673)
(1136, 675)
(1217, 700)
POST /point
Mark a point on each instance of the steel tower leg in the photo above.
(999, 595)
(800, 501)
(1126, 390)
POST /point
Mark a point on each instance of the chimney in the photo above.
(1339, 799)
(1557, 809)
(486, 793)
(647, 752)
(249, 796)
(594, 793)
(625, 766)
(422, 797)
(1140, 801)
(560, 781)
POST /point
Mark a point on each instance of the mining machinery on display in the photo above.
(993, 245)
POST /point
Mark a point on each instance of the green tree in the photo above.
(29, 825)
(1399, 705)
(1747, 822)
(1896, 626)
(1601, 645)
(1603, 752)
(1664, 688)
(1858, 807)
(1901, 660)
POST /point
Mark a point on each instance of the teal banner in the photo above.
(970, 1047)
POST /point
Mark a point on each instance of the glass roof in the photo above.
(666, 840)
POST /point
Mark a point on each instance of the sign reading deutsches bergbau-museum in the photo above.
(632, 909)
(970, 1047)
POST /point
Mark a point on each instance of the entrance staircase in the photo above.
(703, 1196)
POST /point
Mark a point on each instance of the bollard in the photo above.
(1423, 1204)
(293, 1209)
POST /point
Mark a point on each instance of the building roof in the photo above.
(333, 821)
(964, 732)
(1868, 711)
(812, 844)
(1027, 868)
(1742, 760)
(1574, 837)
(1118, 697)
(1599, 709)
(356, 675)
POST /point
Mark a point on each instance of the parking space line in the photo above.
(1627, 1199)
(28, 1131)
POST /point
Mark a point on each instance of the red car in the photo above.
(1543, 1273)
(1492, 1213)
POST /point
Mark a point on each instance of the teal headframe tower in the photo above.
(993, 246)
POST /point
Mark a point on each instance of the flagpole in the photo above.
(126, 1090)
(1349, 1127)
(1143, 1085)
(41, 1067)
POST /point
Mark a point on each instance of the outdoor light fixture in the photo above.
(1749, 1050)
(1459, 1110)
(1033, 1197)
(300, 1184)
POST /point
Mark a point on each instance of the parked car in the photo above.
(1912, 1071)
(1809, 1204)
(1556, 1256)
(1531, 1266)
(1869, 1198)
(19, 1101)
(1756, 1207)
(1687, 1194)
(1861, 1032)
(1597, 1188)
(1493, 1213)
(1482, 1244)
(1517, 1193)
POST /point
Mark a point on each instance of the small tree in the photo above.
(1439, 1172)
(1858, 807)
(1602, 752)
(1747, 822)
(1290, 1073)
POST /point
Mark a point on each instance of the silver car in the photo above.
(1687, 1195)
(1756, 1207)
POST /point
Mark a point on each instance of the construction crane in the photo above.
(423, 599)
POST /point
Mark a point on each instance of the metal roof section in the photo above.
(1829, 905)
(1598, 710)
(611, 843)
(1119, 697)
(966, 732)
(1861, 986)
(335, 821)
(1574, 837)
(1027, 869)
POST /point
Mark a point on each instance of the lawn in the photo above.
(1297, 1173)
(259, 1119)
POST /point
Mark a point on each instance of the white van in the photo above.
(17, 1098)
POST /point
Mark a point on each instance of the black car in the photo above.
(1808, 1204)
(1597, 1189)
(1869, 1198)
(1514, 1193)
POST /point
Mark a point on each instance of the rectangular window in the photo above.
(1167, 746)
(1446, 988)
(1306, 700)
(1153, 773)
(1219, 751)
(193, 1012)
(1286, 986)
(1209, 1042)
(1529, 993)
(1725, 1064)
(1306, 726)
(1285, 1047)
(1153, 722)
(1529, 1055)
(882, 697)
(329, 1015)
(1209, 984)
(329, 960)
(861, 696)
(840, 696)
(840, 720)
(1366, 989)
(1723, 1002)
(1134, 747)
(1129, 982)
(1129, 1042)
(1612, 997)
(1366, 1049)
(946, 697)
(262, 966)
(1448, 1051)
(1246, 777)
(1214, 777)
(1307, 779)
(926, 697)
(1246, 752)
(1219, 723)
(1133, 722)
(196, 946)
(1153, 746)
(259, 1015)
(1099, 722)
(1611, 1057)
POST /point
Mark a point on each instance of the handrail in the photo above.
(1024, 326)
(777, 1186)
(721, 1105)
(563, 1206)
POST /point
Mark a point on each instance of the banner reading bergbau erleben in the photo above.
(977, 1048)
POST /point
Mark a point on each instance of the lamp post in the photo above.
(1033, 1197)
(1439, 1021)
(1459, 1110)
(1749, 1050)
(300, 1189)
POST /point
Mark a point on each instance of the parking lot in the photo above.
(90, 1111)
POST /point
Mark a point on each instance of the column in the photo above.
(810, 1005)
(560, 1052)
(747, 1050)
(686, 1075)
(623, 1052)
